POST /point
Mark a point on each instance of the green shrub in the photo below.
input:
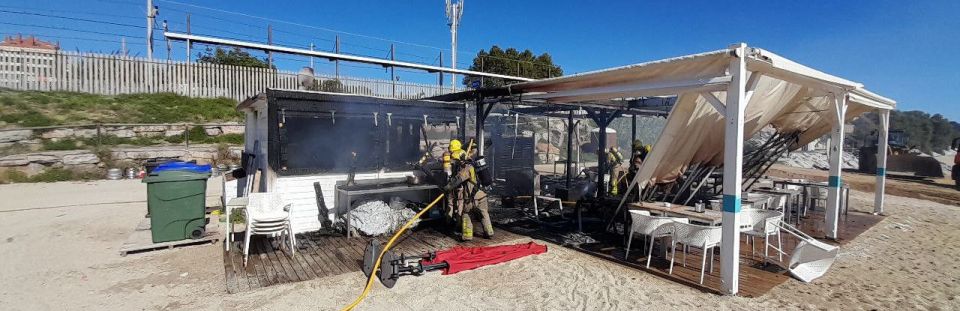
(237, 216)
(53, 175)
(14, 176)
(56, 174)
(197, 135)
(15, 148)
(62, 144)
(35, 108)
(105, 154)
(232, 139)
(27, 118)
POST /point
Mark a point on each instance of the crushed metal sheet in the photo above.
(376, 217)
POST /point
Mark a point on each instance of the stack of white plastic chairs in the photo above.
(267, 214)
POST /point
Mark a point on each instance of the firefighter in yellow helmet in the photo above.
(614, 163)
(638, 154)
(464, 196)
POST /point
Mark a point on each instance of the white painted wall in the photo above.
(298, 190)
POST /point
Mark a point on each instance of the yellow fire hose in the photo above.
(376, 266)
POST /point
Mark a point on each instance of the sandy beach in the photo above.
(59, 245)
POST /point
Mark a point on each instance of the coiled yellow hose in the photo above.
(376, 266)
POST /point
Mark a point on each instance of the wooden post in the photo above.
(570, 126)
(733, 171)
(881, 160)
(834, 183)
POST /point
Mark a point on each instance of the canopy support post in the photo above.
(483, 110)
(881, 160)
(733, 171)
(836, 165)
(603, 119)
(570, 126)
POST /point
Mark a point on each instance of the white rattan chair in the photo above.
(650, 226)
(267, 214)
(762, 224)
(697, 236)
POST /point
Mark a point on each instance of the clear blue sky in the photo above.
(906, 50)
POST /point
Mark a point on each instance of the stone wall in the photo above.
(35, 137)
(37, 162)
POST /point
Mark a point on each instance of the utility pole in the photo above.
(336, 63)
(167, 40)
(311, 57)
(123, 46)
(151, 15)
(189, 68)
(454, 12)
(189, 45)
(270, 42)
(393, 76)
(440, 74)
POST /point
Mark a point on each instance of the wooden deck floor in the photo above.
(325, 255)
(756, 279)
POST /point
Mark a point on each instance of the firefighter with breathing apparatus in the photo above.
(464, 196)
(614, 162)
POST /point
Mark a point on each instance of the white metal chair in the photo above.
(697, 236)
(537, 195)
(762, 224)
(267, 214)
(818, 198)
(651, 226)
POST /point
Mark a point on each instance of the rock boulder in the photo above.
(15, 135)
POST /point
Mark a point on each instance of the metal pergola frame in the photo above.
(486, 99)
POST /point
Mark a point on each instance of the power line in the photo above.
(121, 2)
(252, 25)
(68, 29)
(75, 12)
(338, 31)
(74, 38)
(295, 24)
(72, 18)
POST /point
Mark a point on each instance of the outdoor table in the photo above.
(234, 203)
(844, 193)
(710, 217)
(758, 200)
(792, 197)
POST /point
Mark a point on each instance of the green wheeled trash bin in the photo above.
(176, 201)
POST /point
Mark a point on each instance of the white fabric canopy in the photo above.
(789, 96)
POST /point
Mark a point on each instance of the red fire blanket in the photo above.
(468, 258)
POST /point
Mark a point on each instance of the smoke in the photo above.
(322, 138)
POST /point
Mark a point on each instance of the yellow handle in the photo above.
(470, 147)
(376, 266)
